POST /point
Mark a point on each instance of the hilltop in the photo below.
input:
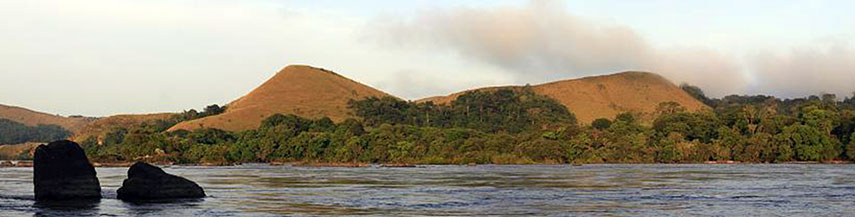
(605, 96)
(297, 89)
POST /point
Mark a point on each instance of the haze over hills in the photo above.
(297, 89)
(605, 96)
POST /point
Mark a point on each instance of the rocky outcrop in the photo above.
(147, 182)
(61, 171)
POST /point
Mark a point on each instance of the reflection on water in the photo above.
(612, 190)
(74, 207)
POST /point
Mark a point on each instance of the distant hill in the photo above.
(300, 90)
(605, 96)
(80, 127)
(102, 126)
(312, 92)
(33, 118)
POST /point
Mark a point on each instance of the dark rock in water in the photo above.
(62, 172)
(147, 182)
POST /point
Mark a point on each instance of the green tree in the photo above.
(732, 142)
(627, 117)
(701, 126)
(667, 151)
(579, 148)
(697, 93)
(601, 123)
(808, 143)
(820, 119)
(758, 149)
(850, 149)
(628, 141)
(400, 151)
(12, 132)
(669, 107)
(212, 110)
(115, 136)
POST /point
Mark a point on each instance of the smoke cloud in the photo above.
(828, 68)
(541, 42)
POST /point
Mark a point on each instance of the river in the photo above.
(525, 190)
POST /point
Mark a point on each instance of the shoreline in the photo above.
(29, 163)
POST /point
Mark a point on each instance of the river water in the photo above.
(532, 190)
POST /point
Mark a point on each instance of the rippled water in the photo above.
(610, 190)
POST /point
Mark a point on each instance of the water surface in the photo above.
(533, 190)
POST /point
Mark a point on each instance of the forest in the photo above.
(16, 133)
(509, 126)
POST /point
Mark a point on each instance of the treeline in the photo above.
(514, 126)
(478, 127)
(192, 114)
(12, 132)
(497, 111)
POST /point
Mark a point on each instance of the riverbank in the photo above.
(29, 163)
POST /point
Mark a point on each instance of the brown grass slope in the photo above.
(100, 127)
(80, 127)
(605, 96)
(33, 118)
(300, 90)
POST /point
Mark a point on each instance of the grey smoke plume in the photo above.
(804, 70)
(541, 42)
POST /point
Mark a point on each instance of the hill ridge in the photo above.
(604, 96)
(31, 117)
(315, 92)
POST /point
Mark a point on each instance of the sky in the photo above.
(104, 57)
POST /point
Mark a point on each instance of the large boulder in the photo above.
(61, 171)
(147, 182)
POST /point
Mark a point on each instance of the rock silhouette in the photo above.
(147, 182)
(61, 171)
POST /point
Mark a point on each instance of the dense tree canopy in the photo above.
(502, 110)
(510, 126)
(12, 132)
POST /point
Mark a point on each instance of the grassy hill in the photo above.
(605, 96)
(80, 127)
(34, 118)
(300, 90)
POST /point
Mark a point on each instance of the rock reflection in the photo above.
(88, 207)
(160, 207)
